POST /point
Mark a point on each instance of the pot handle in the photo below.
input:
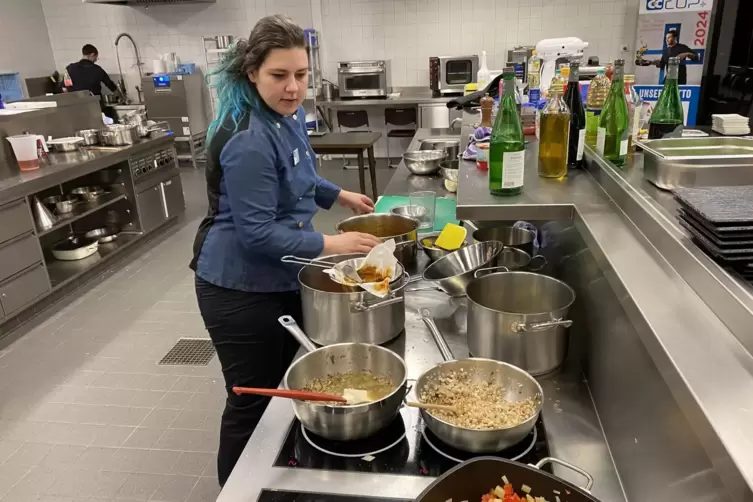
(414, 278)
(306, 261)
(521, 327)
(360, 307)
(553, 460)
(289, 324)
(424, 288)
(541, 259)
(444, 349)
(489, 269)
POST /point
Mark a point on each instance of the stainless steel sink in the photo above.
(450, 145)
(693, 162)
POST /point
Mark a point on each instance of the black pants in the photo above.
(254, 351)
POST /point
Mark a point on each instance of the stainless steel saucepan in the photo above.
(348, 422)
(517, 383)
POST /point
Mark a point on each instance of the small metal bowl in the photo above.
(88, 194)
(51, 201)
(70, 144)
(102, 235)
(424, 162)
(449, 170)
(426, 242)
(89, 136)
(65, 204)
(415, 212)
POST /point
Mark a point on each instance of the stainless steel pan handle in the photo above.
(476, 274)
(360, 307)
(306, 261)
(521, 327)
(444, 349)
(541, 259)
(552, 460)
(289, 324)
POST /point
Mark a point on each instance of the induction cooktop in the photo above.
(279, 496)
(404, 447)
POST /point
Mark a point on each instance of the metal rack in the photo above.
(212, 57)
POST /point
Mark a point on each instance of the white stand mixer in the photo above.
(552, 49)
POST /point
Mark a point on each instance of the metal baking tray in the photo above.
(698, 162)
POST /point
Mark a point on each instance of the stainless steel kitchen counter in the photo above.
(696, 317)
(62, 167)
(572, 425)
(408, 96)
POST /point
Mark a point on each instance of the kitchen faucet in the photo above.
(121, 82)
(454, 121)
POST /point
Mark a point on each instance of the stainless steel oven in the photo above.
(449, 74)
(363, 79)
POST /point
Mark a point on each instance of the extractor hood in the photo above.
(149, 2)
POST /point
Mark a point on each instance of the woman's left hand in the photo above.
(359, 203)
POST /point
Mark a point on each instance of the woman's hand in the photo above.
(359, 203)
(349, 242)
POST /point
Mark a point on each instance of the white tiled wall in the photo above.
(408, 32)
(157, 29)
(24, 44)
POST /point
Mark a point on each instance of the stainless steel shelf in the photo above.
(81, 210)
(63, 272)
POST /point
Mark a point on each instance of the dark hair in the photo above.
(237, 95)
(673, 33)
(89, 49)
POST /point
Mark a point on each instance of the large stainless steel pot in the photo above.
(335, 313)
(118, 135)
(349, 422)
(519, 385)
(453, 272)
(520, 238)
(519, 318)
(387, 226)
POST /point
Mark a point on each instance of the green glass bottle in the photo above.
(668, 117)
(507, 146)
(612, 139)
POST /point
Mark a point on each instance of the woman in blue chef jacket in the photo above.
(263, 192)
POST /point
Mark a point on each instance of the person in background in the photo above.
(263, 192)
(87, 75)
(675, 49)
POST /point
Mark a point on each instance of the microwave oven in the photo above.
(449, 74)
(363, 79)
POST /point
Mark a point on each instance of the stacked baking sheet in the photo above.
(720, 219)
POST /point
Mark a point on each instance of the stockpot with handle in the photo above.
(336, 313)
(519, 318)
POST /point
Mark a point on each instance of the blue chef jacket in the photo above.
(262, 198)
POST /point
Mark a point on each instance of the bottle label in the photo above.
(636, 130)
(534, 95)
(581, 143)
(601, 140)
(623, 147)
(513, 164)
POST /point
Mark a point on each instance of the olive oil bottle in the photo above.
(555, 134)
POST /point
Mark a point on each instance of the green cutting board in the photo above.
(444, 211)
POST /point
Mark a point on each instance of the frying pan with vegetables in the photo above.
(475, 478)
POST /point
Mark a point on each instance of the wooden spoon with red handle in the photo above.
(290, 394)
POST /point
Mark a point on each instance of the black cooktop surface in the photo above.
(278, 496)
(404, 447)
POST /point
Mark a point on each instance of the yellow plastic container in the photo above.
(471, 88)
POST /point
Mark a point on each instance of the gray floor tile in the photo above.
(188, 440)
(94, 457)
(144, 437)
(160, 418)
(30, 454)
(206, 489)
(160, 461)
(175, 400)
(193, 419)
(127, 460)
(8, 448)
(63, 455)
(10, 474)
(174, 489)
(36, 482)
(139, 486)
(112, 436)
(193, 463)
(162, 382)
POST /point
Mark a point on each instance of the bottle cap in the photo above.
(509, 71)
(674, 61)
(629, 79)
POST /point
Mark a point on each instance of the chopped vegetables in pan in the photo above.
(506, 493)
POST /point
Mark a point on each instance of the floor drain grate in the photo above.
(189, 352)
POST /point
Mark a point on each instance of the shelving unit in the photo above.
(81, 210)
(63, 272)
(212, 57)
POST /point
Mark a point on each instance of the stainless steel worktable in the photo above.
(572, 426)
(406, 96)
